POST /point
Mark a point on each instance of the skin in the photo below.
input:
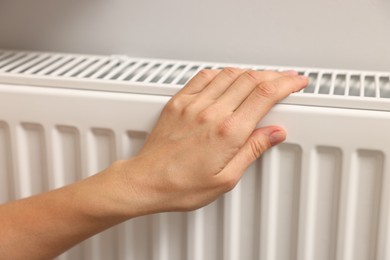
(202, 144)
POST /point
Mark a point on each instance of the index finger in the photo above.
(265, 96)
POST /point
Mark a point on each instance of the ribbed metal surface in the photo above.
(324, 194)
(112, 70)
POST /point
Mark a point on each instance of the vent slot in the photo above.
(92, 68)
(370, 89)
(105, 69)
(82, 66)
(117, 71)
(355, 87)
(174, 74)
(128, 70)
(340, 85)
(148, 72)
(11, 59)
(188, 74)
(19, 62)
(140, 67)
(55, 66)
(61, 71)
(384, 86)
(4, 55)
(144, 71)
(313, 78)
(325, 84)
(22, 68)
(46, 62)
(160, 74)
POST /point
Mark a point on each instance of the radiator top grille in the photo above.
(335, 88)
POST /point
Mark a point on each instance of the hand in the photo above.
(206, 138)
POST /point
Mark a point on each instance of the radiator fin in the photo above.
(104, 150)
(134, 141)
(6, 173)
(104, 246)
(205, 232)
(248, 225)
(328, 162)
(280, 202)
(289, 175)
(369, 172)
(169, 236)
(68, 159)
(142, 234)
(33, 177)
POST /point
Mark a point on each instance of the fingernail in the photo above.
(291, 72)
(277, 137)
(303, 77)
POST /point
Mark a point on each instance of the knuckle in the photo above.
(253, 76)
(206, 115)
(203, 117)
(206, 74)
(228, 183)
(174, 105)
(231, 72)
(189, 109)
(267, 90)
(225, 128)
(257, 148)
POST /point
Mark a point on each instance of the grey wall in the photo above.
(351, 34)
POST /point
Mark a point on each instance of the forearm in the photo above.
(43, 226)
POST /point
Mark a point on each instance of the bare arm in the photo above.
(204, 140)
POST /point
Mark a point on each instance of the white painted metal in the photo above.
(323, 194)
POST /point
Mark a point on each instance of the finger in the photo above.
(264, 96)
(258, 142)
(199, 81)
(221, 82)
(244, 85)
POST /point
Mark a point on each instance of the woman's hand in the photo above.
(205, 139)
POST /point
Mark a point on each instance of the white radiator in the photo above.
(324, 194)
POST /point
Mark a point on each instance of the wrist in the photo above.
(134, 192)
(101, 196)
(124, 191)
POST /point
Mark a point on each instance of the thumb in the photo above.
(258, 142)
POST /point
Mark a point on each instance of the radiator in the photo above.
(323, 194)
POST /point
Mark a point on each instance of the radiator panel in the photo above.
(312, 198)
(323, 194)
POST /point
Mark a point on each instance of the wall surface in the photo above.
(350, 34)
